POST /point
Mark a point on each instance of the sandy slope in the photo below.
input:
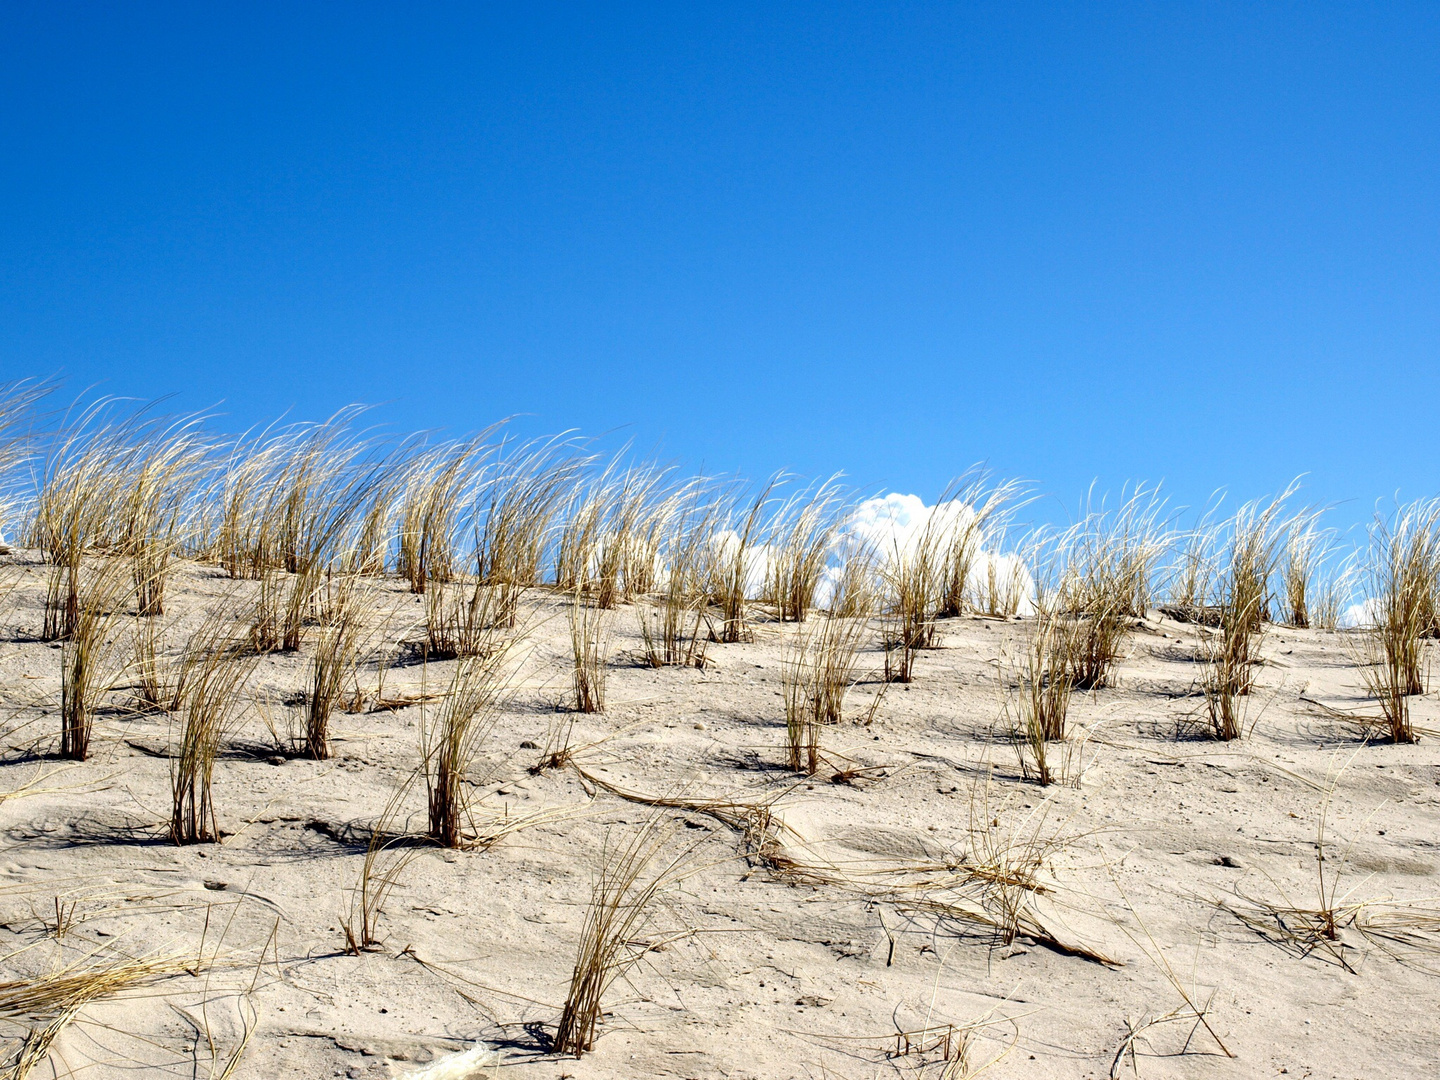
(803, 967)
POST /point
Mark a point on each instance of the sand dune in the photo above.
(851, 924)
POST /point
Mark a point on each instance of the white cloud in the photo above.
(891, 528)
(1366, 613)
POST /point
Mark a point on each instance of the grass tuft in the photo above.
(621, 903)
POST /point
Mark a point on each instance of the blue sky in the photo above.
(1189, 242)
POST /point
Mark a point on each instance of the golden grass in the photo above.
(1402, 580)
(802, 705)
(1192, 574)
(671, 635)
(818, 671)
(621, 903)
(530, 485)
(992, 506)
(913, 579)
(1035, 713)
(1110, 560)
(18, 399)
(450, 742)
(304, 510)
(803, 531)
(161, 683)
(1306, 548)
(212, 705)
(468, 618)
(1228, 674)
(334, 659)
(589, 653)
(1402, 929)
(387, 855)
(441, 482)
(52, 1002)
(89, 666)
(1383, 657)
(1256, 535)
(78, 508)
(732, 554)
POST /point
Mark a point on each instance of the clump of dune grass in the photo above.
(671, 634)
(296, 499)
(854, 586)
(467, 618)
(18, 399)
(625, 554)
(1255, 545)
(1403, 578)
(77, 510)
(733, 561)
(1001, 592)
(285, 607)
(316, 488)
(1227, 676)
(804, 527)
(611, 938)
(1380, 661)
(997, 887)
(582, 523)
(440, 485)
(655, 509)
(1331, 591)
(236, 494)
(161, 683)
(1109, 562)
(1231, 654)
(387, 856)
(212, 705)
(559, 749)
(168, 468)
(946, 1043)
(1308, 929)
(450, 741)
(322, 485)
(1192, 572)
(835, 669)
(1305, 550)
(265, 624)
(986, 510)
(89, 667)
(299, 607)
(914, 576)
(522, 499)
(608, 543)
(1036, 712)
(956, 1046)
(334, 657)
(802, 705)
(1334, 923)
(374, 534)
(818, 671)
(589, 648)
